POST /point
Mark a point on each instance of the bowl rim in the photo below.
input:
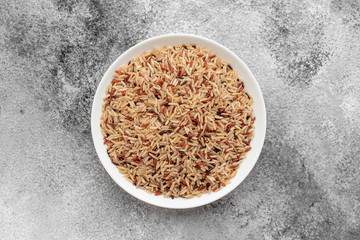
(203, 200)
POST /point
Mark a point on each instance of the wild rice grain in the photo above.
(177, 121)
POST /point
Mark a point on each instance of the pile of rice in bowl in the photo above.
(177, 121)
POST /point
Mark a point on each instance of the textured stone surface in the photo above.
(305, 56)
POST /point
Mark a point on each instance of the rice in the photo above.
(177, 121)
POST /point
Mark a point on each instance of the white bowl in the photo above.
(250, 85)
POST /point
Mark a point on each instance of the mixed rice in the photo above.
(177, 121)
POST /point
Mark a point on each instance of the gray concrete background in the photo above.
(305, 56)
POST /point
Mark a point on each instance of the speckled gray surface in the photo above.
(305, 56)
